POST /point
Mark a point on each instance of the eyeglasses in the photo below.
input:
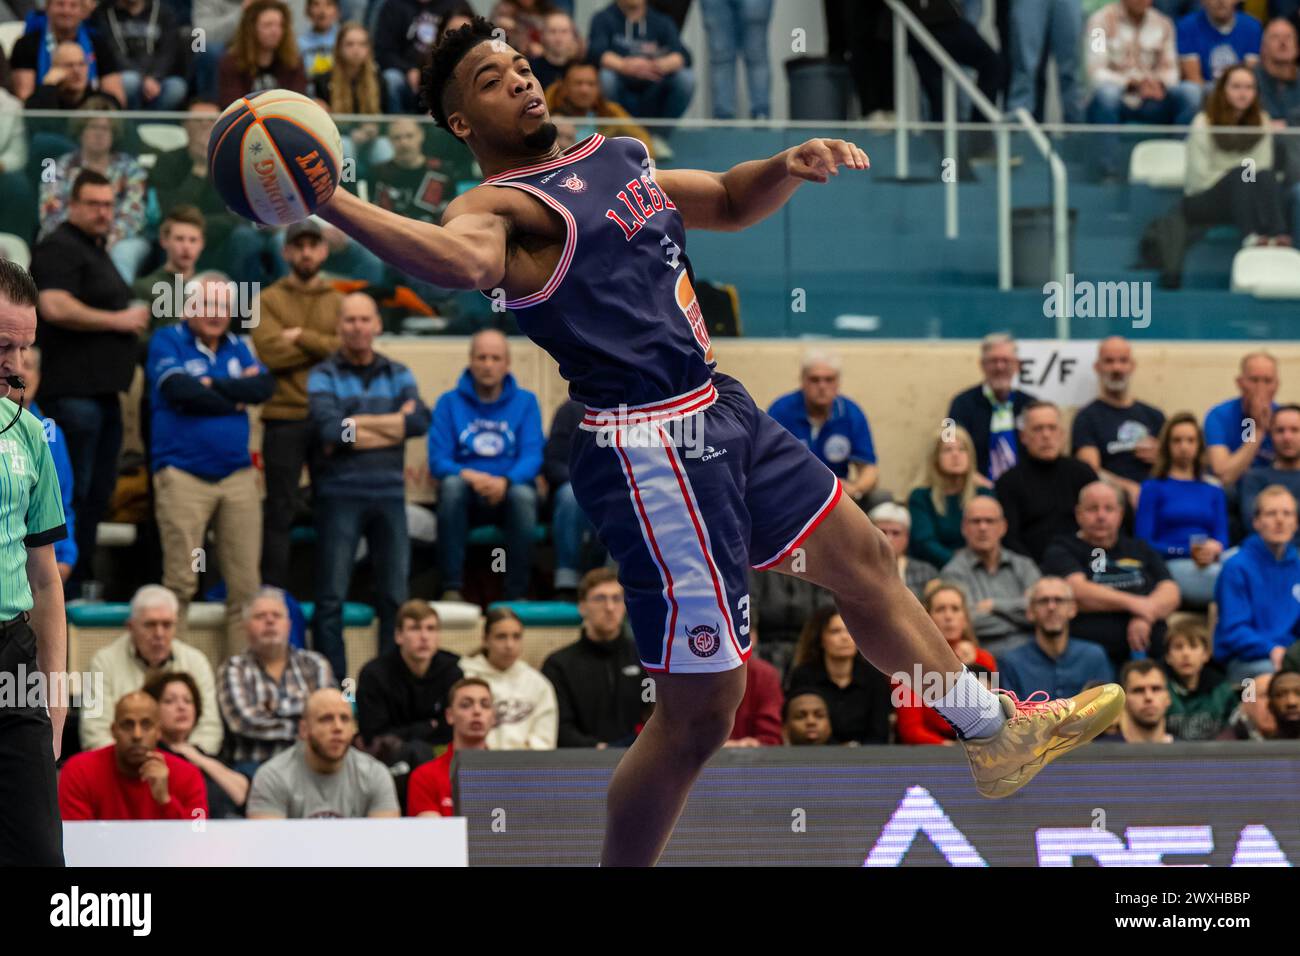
(1039, 602)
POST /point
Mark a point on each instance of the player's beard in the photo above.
(542, 138)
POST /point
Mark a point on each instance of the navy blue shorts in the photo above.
(688, 494)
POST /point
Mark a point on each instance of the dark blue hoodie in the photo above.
(503, 437)
(1259, 602)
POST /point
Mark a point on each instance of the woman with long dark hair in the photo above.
(1180, 514)
(1230, 175)
(857, 695)
(262, 56)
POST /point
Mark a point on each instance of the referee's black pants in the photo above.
(31, 832)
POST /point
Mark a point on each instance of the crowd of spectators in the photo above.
(1203, 65)
(1103, 554)
(1050, 558)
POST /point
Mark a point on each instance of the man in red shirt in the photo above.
(131, 779)
(472, 714)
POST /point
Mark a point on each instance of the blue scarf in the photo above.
(37, 23)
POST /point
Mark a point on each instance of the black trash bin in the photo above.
(819, 88)
(1033, 244)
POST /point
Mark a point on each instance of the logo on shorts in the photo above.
(711, 453)
(703, 640)
(573, 184)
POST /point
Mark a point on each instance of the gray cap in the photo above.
(307, 227)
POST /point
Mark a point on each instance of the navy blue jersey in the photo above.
(619, 314)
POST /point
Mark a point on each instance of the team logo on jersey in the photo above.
(690, 306)
(703, 640)
(573, 183)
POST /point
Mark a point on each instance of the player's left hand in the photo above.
(819, 159)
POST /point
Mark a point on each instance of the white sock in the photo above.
(972, 709)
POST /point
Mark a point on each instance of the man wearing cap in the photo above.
(297, 327)
(33, 632)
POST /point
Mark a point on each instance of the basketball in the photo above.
(275, 156)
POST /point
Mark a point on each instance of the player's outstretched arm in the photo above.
(467, 252)
(752, 191)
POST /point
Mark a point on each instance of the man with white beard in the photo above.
(1115, 433)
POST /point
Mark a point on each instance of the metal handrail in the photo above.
(1060, 211)
(905, 22)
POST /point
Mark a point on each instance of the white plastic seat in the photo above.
(1267, 272)
(1161, 163)
(10, 31)
(162, 136)
(15, 249)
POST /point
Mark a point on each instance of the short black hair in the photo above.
(576, 63)
(444, 59)
(1139, 666)
(17, 284)
(88, 177)
(802, 691)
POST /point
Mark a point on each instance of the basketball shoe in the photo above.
(1036, 732)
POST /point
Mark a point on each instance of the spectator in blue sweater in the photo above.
(1284, 431)
(989, 410)
(363, 407)
(65, 551)
(485, 447)
(643, 66)
(834, 428)
(936, 507)
(202, 378)
(1181, 515)
(1258, 592)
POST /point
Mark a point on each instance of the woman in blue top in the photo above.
(1181, 514)
(950, 481)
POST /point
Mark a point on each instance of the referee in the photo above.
(33, 629)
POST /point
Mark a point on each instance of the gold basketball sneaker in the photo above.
(1036, 733)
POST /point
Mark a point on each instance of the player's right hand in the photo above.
(155, 773)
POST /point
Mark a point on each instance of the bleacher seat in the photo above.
(162, 136)
(10, 31)
(1267, 272)
(115, 534)
(1159, 162)
(14, 248)
(490, 534)
(548, 626)
(462, 626)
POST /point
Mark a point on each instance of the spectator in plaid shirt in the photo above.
(264, 692)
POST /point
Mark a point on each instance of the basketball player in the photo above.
(587, 245)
